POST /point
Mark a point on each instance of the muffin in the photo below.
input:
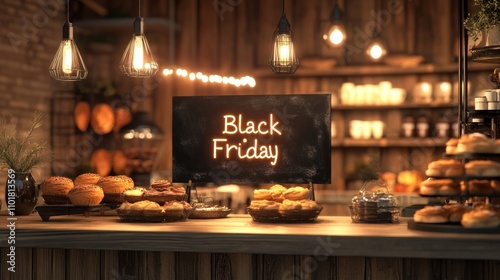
(86, 195)
(55, 190)
(114, 186)
(87, 179)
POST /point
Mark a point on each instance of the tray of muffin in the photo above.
(89, 192)
(279, 204)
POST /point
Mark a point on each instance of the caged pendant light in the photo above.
(67, 64)
(283, 59)
(137, 60)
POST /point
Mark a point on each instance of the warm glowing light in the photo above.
(376, 52)
(285, 49)
(445, 86)
(243, 150)
(67, 63)
(335, 35)
(237, 82)
(138, 55)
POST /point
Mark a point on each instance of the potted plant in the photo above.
(19, 153)
(486, 18)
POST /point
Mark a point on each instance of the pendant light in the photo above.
(335, 35)
(377, 48)
(137, 60)
(283, 59)
(67, 64)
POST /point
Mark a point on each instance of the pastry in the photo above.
(445, 167)
(120, 165)
(55, 190)
(451, 146)
(103, 118)
(152, 209)
(262, 194)
(485, 168)
(296, 193)
(495, 184)
(480, 218)
(277, 192)
(133, 195)
(439, 187)
(82, 115)
(431, 214)
(480, 187)
(87, 178)
(176, 208)
(290, 205)
(475, 143)
(122, 117)
(114, 186)
(264, 205)
(161, 185)
(86, 195)
(456, 211)
(309, 204)
(101, 160)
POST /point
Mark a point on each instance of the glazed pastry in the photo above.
(86, 195)
(262, 194)
(161, 185)
(55, 190)
(456, 212)
(439, 187)
(485, 168)
(480, 218)
(87, 178)
(296, 193)
(277, 192)
(445, 167)
(290, 205)
(431, 214)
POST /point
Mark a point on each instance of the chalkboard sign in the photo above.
(252, 139)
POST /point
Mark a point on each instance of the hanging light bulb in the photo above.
(67, 64)
(377, 49)
(137, 60)
(335, 35)
(283, 59)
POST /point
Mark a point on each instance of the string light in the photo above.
(214, 79)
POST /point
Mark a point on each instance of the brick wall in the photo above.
(31, 33)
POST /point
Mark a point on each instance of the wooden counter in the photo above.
(246, 245)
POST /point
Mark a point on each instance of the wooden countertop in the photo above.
(336, 236)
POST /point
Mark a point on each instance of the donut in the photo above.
(296, 193)
(456, 211)
(480, 218)
(431, 215)
(445, 167)
(439, 187)
(86, 195)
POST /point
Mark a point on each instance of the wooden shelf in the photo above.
(395, 106)
(373, 70)
(389, 142)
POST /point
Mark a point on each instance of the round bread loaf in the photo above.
(114, 186)
(55, 189)
(86, 195)
(87, 179)
(103, 118)
(82, 115)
